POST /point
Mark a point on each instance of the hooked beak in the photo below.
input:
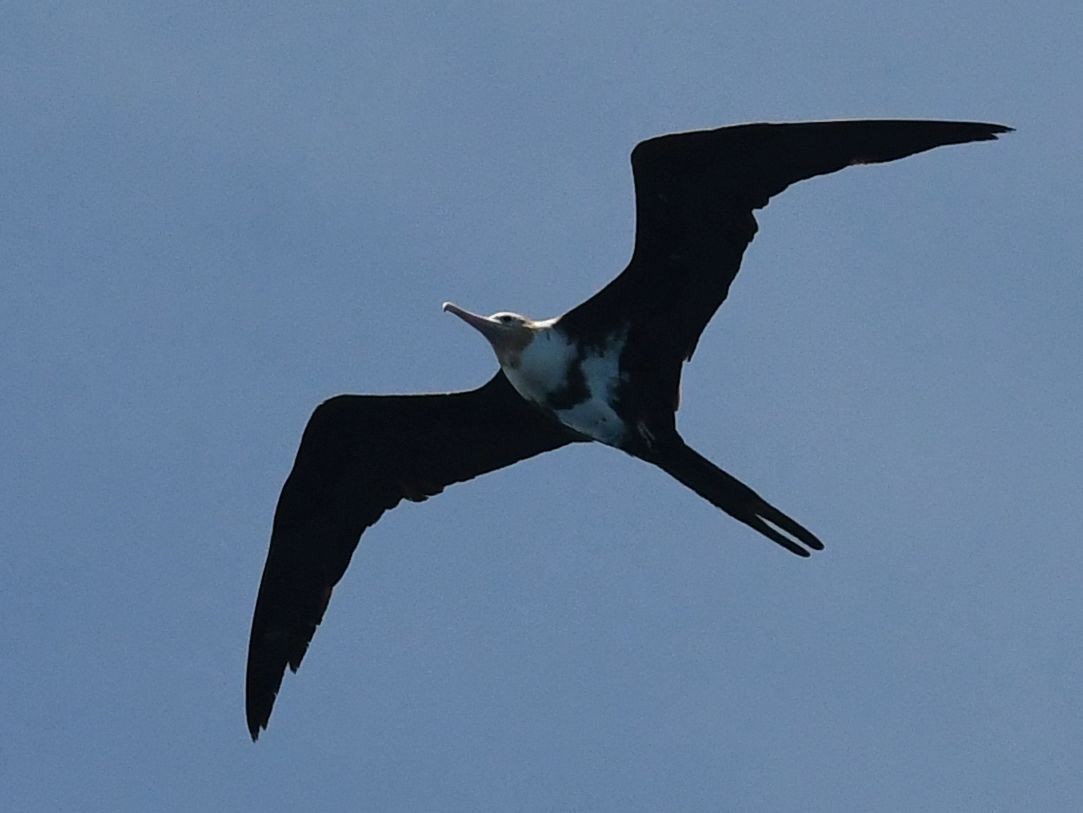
(490, 329)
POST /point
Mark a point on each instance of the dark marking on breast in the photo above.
(574, 390)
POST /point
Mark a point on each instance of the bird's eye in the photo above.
(505, 319)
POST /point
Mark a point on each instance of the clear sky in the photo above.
(215, 215)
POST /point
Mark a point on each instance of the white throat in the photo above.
(540, 367)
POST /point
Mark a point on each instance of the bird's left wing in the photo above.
(695, 196)
(360, 456)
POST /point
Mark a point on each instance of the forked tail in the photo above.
(734, 497)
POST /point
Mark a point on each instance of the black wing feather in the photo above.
(695, 196)
(360, 456)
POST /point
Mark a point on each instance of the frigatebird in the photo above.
(608, 371)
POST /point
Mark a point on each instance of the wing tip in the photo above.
(263, 683)
(989, 131)
(257, 712)
(258, 706)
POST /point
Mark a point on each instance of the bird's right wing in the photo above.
(360, 456)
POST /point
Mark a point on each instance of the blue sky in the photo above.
(215, 216)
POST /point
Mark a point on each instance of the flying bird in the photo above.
(608, 370)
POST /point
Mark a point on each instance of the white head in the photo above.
(508, 333)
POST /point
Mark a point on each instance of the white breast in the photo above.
(543, 368)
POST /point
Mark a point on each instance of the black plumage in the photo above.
(361, 455)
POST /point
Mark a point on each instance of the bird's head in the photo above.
(508, 333)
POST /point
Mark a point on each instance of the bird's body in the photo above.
(607, 371)
(579, 385)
